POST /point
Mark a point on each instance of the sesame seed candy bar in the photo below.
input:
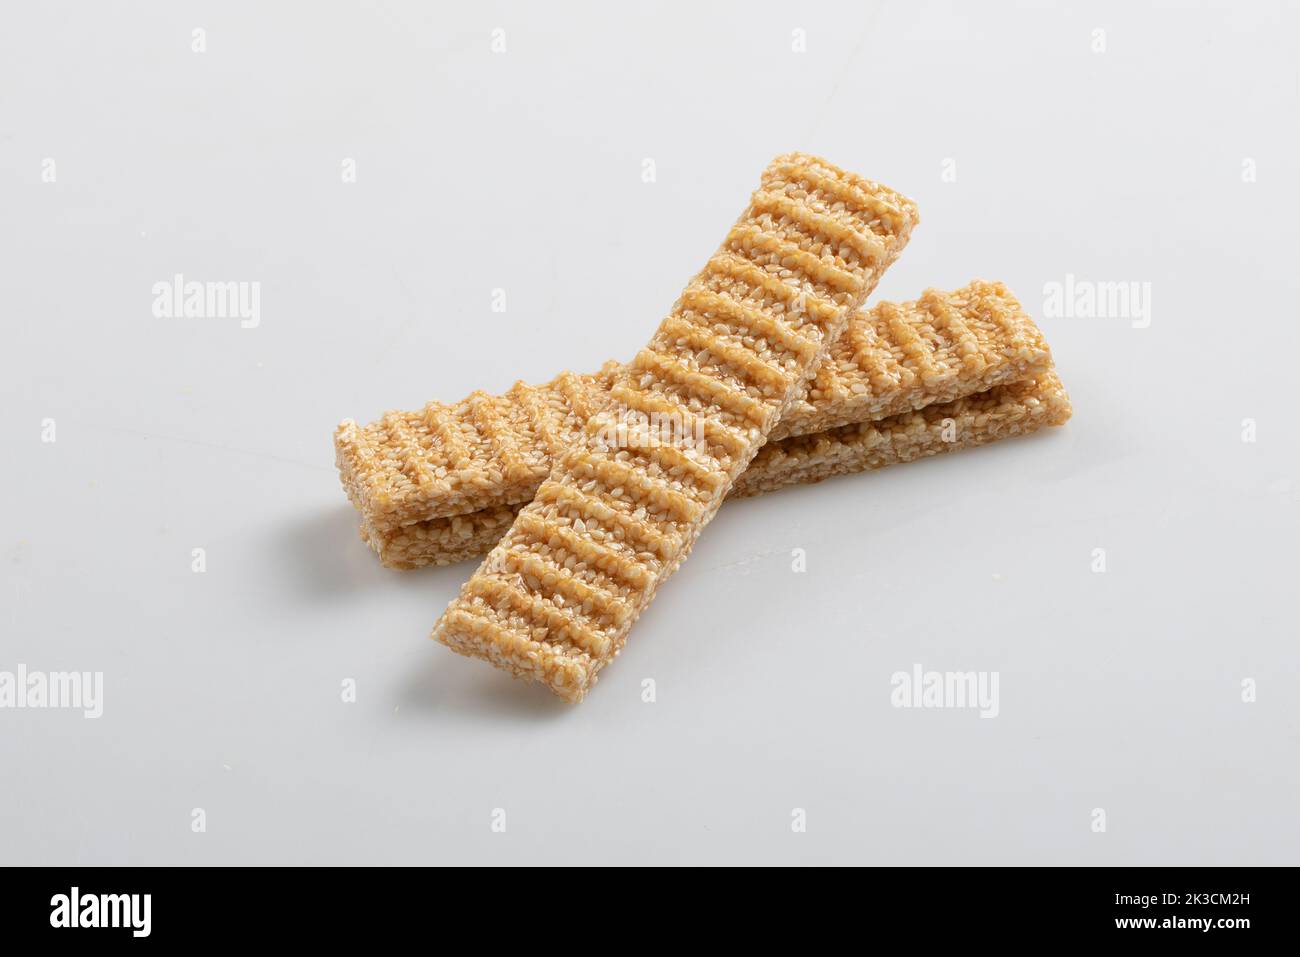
(555, 599)
(1001, 412)
(891, 358)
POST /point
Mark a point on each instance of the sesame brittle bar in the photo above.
(487, 451)
(555, 599)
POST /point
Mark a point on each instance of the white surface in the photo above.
(522, 171)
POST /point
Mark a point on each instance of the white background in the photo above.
(522, 171)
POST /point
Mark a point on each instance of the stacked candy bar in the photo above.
(770, 377)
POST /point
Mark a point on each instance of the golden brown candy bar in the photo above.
(1004, 411)
(892, 358)
(555, 599)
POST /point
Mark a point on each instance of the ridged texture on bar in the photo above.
(1004, 411)
(892, 358)
(554, 601)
